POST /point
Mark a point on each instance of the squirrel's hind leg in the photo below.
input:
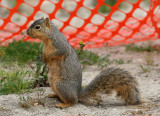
(67, 94)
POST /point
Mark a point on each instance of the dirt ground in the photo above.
(149, 85)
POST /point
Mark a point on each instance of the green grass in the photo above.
(14, 81)
(149, 59)
(104, 9)
(27, 102)
(145, 69)
(147, 48)
(20, 51)
(26, 52)
(89, 58)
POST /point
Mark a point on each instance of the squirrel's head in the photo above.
(40, 28)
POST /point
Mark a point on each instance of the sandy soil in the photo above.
(149, 85)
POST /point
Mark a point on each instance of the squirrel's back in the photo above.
(70, 66)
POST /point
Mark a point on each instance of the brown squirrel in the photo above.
(65, 74)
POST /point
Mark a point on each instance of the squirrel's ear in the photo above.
(47, 22)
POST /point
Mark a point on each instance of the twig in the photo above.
(43, 69)
(31, 67)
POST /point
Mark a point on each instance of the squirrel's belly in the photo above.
(54, 70)
(53, 78)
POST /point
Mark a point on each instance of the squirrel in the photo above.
(65, 74)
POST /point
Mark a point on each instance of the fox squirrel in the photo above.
(65, 74)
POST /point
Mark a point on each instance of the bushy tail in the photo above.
(113, 79)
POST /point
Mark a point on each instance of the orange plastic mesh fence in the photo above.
(94, 22)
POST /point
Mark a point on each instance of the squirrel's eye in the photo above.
(37, 27)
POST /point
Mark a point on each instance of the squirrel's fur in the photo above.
(65, 75)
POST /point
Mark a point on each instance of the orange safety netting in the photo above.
(125, 21)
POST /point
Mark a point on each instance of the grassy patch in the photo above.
(149, 59)
(40, 75)
(89, 58)
(147, 48)
(26, 52)
(28, 101)
(145, 69)
(20, 51)
(14, 81)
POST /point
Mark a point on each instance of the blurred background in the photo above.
(96, 23)
(104, 33)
